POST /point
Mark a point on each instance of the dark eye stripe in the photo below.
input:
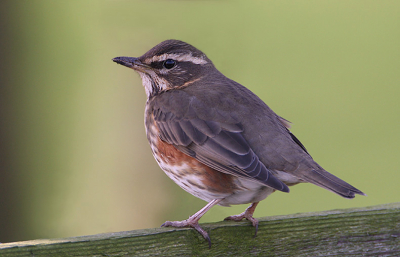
(157, 65)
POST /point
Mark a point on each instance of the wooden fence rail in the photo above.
(370, 231)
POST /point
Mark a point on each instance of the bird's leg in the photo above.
(247, 214)
(193, 221)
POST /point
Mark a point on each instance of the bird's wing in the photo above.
(217, 144)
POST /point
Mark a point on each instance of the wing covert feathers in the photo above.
(218, 145)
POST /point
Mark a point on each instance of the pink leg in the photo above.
(193, 221)
(247, 214)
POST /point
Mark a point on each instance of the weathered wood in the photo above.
(371, 231)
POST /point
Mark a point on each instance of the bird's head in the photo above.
(170, 64)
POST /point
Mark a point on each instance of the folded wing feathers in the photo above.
(233, 142)
(209, 128)
(215, 141)
(193, 133)
(179, 134)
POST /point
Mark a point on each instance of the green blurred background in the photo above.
(74, 159)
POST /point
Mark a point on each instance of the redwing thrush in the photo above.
(215, 138)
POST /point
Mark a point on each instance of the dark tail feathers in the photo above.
(328, 181)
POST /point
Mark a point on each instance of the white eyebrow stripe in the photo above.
(177, 57)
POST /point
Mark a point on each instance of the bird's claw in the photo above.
(189, 223)
(247, 214)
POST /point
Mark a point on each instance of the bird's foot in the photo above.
(247, 214)
(191, 222)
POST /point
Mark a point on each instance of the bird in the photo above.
(215, 138)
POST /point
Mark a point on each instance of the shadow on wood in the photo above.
(366, 231)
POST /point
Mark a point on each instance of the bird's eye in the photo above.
(169, 64)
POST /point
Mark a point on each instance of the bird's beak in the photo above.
(131, 62)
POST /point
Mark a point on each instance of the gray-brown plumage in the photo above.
(215, 138)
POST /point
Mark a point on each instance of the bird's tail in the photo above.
(328, 181)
